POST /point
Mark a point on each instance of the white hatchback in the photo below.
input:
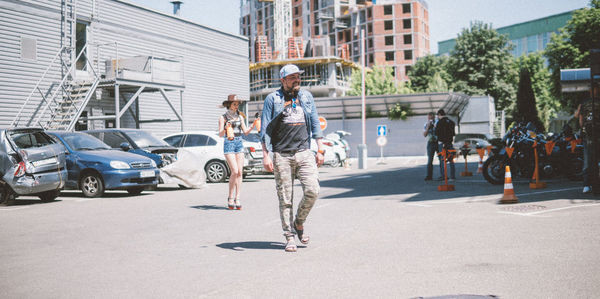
(209, 146)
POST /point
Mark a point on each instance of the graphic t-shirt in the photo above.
(290, 129)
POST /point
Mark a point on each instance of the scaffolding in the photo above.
(262, 49)
(282, 28)
(295, 48)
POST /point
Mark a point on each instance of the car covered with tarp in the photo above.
(31, 163)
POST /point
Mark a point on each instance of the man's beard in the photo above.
(291, 92)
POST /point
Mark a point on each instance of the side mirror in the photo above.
(125, 146)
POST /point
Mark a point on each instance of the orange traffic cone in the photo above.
(445, 187)
(480, 152)
(509, 193)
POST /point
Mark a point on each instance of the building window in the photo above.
(297, 23)
(532, 44)
(388, 25)
(407, 69)
(370, 43)
(389, 40)
(370, 58)
(369, 12)
(370, 28)
(296, 10)
(316, 30)
(407, 39)
(393, 71)
(388, 10)
(406, 8)
(407, 54)
(406, 23)
(389, 56)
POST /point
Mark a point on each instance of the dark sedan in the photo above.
(94, 167)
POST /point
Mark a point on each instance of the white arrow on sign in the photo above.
(381, 131)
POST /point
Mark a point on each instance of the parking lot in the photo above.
(380, 232)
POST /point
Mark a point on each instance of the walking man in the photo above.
(432, 144)
(289, 120)
(444, 130)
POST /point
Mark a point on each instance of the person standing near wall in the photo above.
(289, 120)
(232, 126)
(444, 130)
(432, 144)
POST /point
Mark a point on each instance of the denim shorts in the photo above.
(233, 146)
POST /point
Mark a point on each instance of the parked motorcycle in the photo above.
(555, 155)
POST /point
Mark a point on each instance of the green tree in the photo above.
(547, 104)
(378, 81)
(570, 48)
(526, 110)
(481, 63)
(429, 74)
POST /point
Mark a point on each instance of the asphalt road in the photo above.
(375, 233)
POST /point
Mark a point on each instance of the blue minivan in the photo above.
(93, 166)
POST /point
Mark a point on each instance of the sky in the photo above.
(446, 17)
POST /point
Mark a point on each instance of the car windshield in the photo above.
(145, 139)
(253, 137)
(84, 142)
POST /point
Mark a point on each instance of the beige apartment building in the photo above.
(397, 31)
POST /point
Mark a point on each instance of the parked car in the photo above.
(138, 142)
(209, 146)
(94, 167)
(31, 163)
(463, 136)
(473, 144)
(335, 153)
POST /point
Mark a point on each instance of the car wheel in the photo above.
(338, 161)
(135, 191)
(216, 171)
(7, 196)
(91, 185)
(49, 195)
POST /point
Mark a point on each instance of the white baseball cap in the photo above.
(289, 69)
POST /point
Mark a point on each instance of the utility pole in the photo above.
(362, 148)
(594, 92)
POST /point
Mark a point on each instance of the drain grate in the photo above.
(524, 208)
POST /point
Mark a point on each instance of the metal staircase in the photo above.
(61, 104)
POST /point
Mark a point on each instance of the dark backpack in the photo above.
(445, 130)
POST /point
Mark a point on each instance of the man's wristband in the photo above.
(322, 152)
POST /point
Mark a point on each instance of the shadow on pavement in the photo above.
(240, 246)
(209, 207)
(409, 181)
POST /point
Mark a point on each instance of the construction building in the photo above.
(396, 32)
(89, 64)
(526, 37)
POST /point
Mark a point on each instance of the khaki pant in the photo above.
(286, 168)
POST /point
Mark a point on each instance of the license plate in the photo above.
(258, 154)
(146, 173)
(44, 162)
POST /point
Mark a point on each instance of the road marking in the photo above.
(12, 208)
(366, 176)
(536, 214)
(547, 191)
(418, 205)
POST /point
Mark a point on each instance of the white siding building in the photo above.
(161, 73)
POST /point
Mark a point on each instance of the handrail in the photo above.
(18, 116)
(69, 71)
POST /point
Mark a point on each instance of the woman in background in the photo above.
(232, 126)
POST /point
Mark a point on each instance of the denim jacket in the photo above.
(274, 105)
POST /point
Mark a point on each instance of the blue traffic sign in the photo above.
(381, 130)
